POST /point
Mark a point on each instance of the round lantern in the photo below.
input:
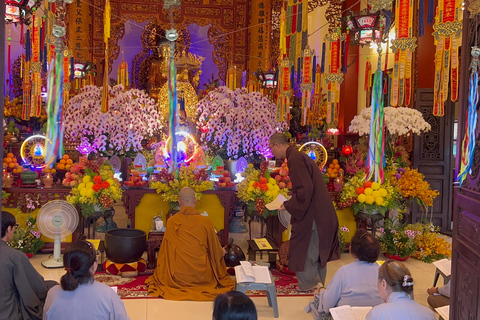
(347, 150)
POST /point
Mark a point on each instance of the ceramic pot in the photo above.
(396, 257)
(125, 245)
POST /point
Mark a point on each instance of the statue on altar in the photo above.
(157, 72)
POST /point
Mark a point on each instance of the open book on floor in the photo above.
(245, 272)
(349, 313)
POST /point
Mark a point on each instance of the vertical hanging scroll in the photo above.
(448, 30)
(79, 31)
(36, 68)
(334, 76)
(306, 86)
(260, 36)
(403, 47)
(284, 90)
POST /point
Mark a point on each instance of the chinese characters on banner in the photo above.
(260, 37)
(78, 36)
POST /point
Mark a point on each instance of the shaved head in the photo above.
(278, 138)
(186, 197)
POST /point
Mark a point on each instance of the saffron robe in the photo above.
(310, 201)
(190, 264)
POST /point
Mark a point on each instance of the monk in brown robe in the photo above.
(314, 238)
(190, 263)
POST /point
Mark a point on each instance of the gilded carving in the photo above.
(139, 7)
(228, 16)
(203, 11)
(225, 3)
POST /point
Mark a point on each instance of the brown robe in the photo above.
(310, 201)
(190, 263)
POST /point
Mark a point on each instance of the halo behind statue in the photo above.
(316, 151)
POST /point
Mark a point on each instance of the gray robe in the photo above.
(310, 201)
(22, 288)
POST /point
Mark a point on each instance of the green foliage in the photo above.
(26, 238)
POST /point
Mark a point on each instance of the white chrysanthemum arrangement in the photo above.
(132, 116)
(398, 121)
(237, 123)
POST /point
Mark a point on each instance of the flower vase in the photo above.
(29, 254)
(173, 210)
(107, 223)
(396, 257)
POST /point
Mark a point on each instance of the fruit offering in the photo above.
(71, 179)
(371, 193)
(135, 180)
(283, 178)
(65, 163)
(49, 170)
(333, 168)
(10, 162)
(224, 181)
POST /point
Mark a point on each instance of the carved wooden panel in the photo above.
(433, 157)
(465, 295)
(228, 20)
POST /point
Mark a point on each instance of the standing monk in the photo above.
(190, 263)
(314, 239)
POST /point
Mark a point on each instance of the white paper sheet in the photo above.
(444, 312)
(275, 204)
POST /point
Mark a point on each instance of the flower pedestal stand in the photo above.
(92, 220)
(364, 216)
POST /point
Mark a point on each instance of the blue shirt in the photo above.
(89, 301)
(354, 284)
(400, 306)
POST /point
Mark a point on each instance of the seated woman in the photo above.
(234, 305)
(394, 285)
(79, 296)
(353, 284)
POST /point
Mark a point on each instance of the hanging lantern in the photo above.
(267, 79)
(20, 11)
(366, 28)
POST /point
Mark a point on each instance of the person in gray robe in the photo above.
(22, 290)
(314, 239)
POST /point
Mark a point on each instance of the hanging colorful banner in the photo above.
(334, 76)
(468, 143)
(306, 86)
(448, 31)
(403, 46)
(284, 91)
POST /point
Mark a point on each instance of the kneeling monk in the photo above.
(190, 263)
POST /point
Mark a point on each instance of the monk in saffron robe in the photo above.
(190, 264)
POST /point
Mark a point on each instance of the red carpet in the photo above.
(128, 288)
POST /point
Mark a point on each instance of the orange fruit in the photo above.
(67, 167)
(337, 166)
(53, 170)
(335, 161)
(69, 161)
(9, 155)
(12, 165)
(63, 161)
(7, 160)
(66, 157)
(61, 166)
(14, 160)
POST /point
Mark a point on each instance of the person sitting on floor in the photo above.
(439, 296)
(394, 285)
(22, 290)
(353, 284)
(234, 305)
(190, 264)
(79, 296)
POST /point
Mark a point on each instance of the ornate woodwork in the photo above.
(20, 197)
(433, 158)
(227, 33)
(465, 296)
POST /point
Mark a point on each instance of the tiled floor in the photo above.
(289, 307)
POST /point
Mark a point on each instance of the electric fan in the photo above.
(57, 220)
(284, 217)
